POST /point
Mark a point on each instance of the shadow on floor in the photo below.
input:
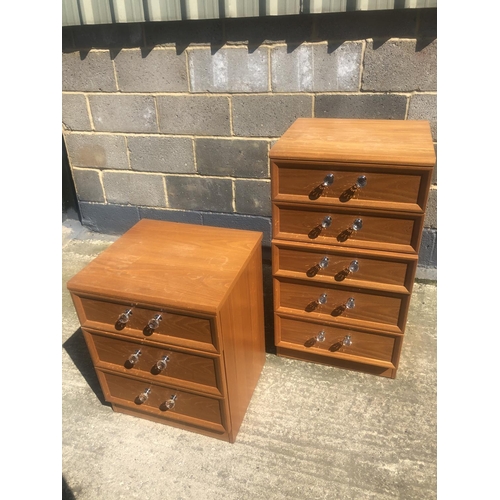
(77, 350)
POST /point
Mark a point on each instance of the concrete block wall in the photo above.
(174, 121)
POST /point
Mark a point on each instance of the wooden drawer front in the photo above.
(380, 231)
(190, 370)
(389, 189)
(176, 329)
(338, 342)
(375, 310)
(377, 271)
(189, 408)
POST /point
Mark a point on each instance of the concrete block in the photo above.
(161, 154)
(397, 65)
(228, 70)
(197, 193)
(108, 219)
(92, 73)
(360, 25)
(160, 70)
(430, 220)
(193, 114)
(424, 107)
(75, 115)
(314, 68)
(252, 197)
(427, 255)
(105, 36)
(123, 113)
(88, 185)
(185, 216)
(384, 106)
(246, 222)
(97, 150)
(127, 188)
(233, 158)
(268, 115)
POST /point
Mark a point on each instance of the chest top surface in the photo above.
(169, 264)
(393, 142)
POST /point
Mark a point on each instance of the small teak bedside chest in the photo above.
(173, 317)
(348, 206)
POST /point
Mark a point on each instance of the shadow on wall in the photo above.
(293, 30)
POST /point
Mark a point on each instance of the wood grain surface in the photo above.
(182, 266)
(377, 270)
(392, 142)
(386, 188)
(390, 231)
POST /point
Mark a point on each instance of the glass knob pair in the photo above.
(161, 364)
(167, 405)
(153, 323)
(321, 336)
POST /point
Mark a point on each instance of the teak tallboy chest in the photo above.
(348, 206)
(173, 318)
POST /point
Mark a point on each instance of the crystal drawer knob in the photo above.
(353, 266)
(169, 403)
(361, 182)
(318, 190)
(347, 341)
(154, 322)
(328, 180)
(134, 358)
(143, 397)
(125, 316)
(316, 231)
(316, 303)
(349, 304)
(356, 225)
(321, 336)
(327, 222)
(322, 264)
(162, 363)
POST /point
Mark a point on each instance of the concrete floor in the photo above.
(311, 431)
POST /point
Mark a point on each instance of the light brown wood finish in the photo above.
(188, 267)
(206, 284)
(372, 348)
(391, 142)
(188, 406)
(385, 189)
(377, 270)
(393, 231)
(372, 310)
(187, 369)
(189, 331)
(397, 158)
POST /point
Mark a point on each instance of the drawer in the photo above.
(345, 267)
(188, 369)
(381, 187)
(176, 329)
(188, 408)
(368, 310)
(396, 232)
(333, 341)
